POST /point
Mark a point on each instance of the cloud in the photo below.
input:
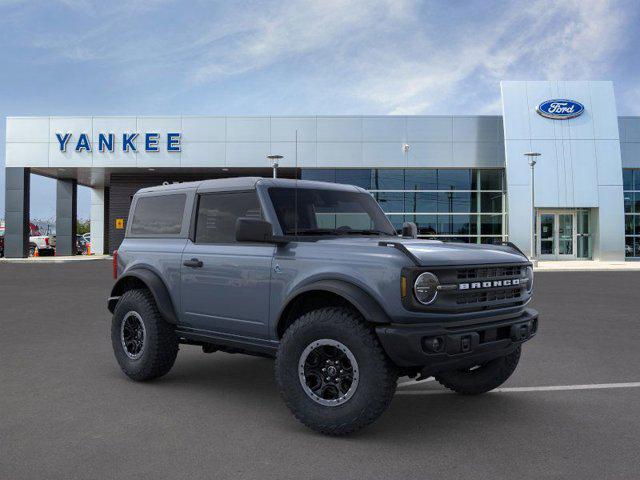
(539, 40)
(293, 30)
(390, 56)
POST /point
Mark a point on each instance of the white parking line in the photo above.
(549, 388)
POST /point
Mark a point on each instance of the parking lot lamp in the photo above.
(531, 156)
(274, 163)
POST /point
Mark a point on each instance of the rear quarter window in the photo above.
(158, 215)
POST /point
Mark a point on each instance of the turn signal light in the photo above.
(403, 286)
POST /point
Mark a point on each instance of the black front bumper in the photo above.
(442, 347)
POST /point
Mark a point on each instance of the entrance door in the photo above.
(546, 235)
(566, 235)
(556, 233)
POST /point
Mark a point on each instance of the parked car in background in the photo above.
(1, 242)
(81, 245)
(45, 243)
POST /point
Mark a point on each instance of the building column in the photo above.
(609, 227)
(97, 221)
(17, 190)
(66, 217)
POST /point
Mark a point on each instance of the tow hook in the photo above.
(519, 332)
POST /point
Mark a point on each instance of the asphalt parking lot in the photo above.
(68, 412)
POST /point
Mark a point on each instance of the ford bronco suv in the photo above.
(315, 275)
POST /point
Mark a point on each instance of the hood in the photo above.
(437, 253)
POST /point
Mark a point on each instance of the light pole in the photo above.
(274, 163)
(531, 156)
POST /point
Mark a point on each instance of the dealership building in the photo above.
(459, 178)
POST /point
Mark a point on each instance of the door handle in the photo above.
(193, 263)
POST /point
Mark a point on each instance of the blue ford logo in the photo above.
(560, 109)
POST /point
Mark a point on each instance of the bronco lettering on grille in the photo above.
(489, 284)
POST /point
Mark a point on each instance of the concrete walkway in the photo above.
(585, 265)
(54, 259)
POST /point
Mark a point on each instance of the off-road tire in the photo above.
(377, 375)
(160, 342)
(482, 379)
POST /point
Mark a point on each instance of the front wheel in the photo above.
(144, 344)
(332, 372)
(481, 378)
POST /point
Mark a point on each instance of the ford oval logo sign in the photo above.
(560, 109)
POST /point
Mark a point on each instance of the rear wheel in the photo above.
(144, 344)
(332, 372)
(481, 378)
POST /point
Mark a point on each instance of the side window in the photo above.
(158, 215)
(218, 212)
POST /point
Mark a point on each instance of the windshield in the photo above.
(328, 212)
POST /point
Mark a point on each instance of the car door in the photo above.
(226, 284)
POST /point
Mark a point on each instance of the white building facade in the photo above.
(459, 178)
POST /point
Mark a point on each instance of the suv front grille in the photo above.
(512, 293)
(487, 273)
(473, 288)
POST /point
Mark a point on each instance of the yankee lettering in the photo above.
(107, 142)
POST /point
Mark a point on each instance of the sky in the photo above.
(147, 57)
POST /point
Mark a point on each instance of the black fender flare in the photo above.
(155, 285)
(368, 307)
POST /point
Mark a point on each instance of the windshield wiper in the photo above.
(365, 232)
(312, 231)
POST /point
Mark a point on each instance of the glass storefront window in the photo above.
(461, 205)
(632, 247)
(491, 240)
(319, 174)
(491, 224)
(628, 202)
(491, 202)
(421, 180)
(627, 179)
(427, 224)
(425, 202)
(631, 182)
(359, 177)
(459, 202)
(391, 202)
(454, 179)
(457, 224)
(629, 224)
(491, 179)
(387, 179)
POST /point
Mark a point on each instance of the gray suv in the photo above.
(315, 275)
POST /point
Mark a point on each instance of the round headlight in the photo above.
(426, 288)
(529, 274)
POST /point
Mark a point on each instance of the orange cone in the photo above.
(88, 248)
(36, 253)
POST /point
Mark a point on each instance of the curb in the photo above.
(38, 260)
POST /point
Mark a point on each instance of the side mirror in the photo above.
(409, 230)
(253, 230)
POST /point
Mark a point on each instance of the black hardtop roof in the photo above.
(243, 183)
